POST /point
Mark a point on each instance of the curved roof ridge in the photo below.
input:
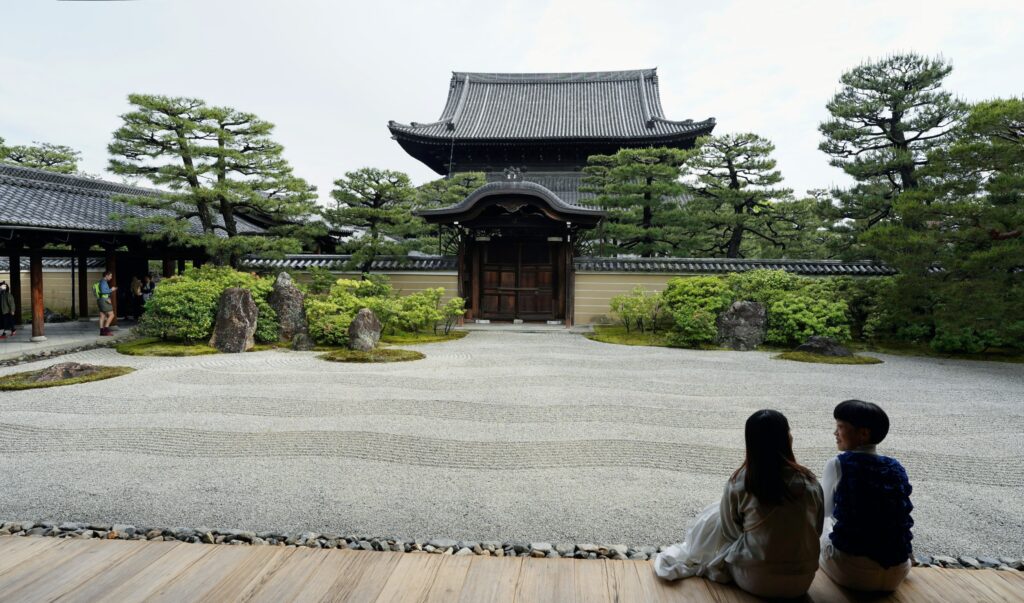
(72, 183)
(512, 187)
(555, 77)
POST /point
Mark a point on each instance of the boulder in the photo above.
(302, 342)
(743, 326)
(823, 346)
(64, 370)
(364, 332)
(51, 316)
(235, 328)
(286, 300)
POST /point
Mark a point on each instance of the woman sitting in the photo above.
(866, 542)
(764, 532)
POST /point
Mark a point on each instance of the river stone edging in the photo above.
(441, 546)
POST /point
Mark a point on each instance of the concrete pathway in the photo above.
(498, 436)
(59, 336)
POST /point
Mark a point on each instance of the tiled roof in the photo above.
(41, 199)
(335, 262)
(52, 263)
(615, 105)
(722, 266)
(505, 187)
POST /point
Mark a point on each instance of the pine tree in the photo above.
(442, 192)
(643, 194)
(380, 202)
(214, 164)
(885, 119)
(43, 156)
(735, 198)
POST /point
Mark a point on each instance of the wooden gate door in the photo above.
(518, 280)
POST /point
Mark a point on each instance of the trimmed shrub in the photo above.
(183, 308)
(694, 303)
(640, 308)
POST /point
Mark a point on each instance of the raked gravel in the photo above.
(501, 436)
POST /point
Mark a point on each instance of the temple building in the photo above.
(531, 134)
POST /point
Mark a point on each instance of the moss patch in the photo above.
(418, 338)
(617, 334)
(820, 359)
(152, 346)
(376, 355)
(19, 381)
(900, 348)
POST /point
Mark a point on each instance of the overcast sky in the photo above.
(331, 73)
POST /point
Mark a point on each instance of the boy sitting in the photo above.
(865, 544)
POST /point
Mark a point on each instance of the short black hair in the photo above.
(864, 414)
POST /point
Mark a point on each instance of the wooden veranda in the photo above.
(52, 569)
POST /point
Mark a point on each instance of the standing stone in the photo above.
(743, 326)
(823, 346)
(364, 332)
(286, 300)
(235, 329)
(302, 342)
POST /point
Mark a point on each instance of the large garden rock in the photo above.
(64, 370)
(743, 326)
(823, 346)
(235, 329)
(286, 300)
(364, 332)
(302, 342)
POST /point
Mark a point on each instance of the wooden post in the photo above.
(167, 268)
(36, 278)
(112, 267)
(475, 280)
(16, 285)
(83, 285)
(570, 284)
(181, 265)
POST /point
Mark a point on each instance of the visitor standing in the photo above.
(148, 286)
(103, 291)
(764, 533)
(136, 290)
(866, 541)
(6, 310)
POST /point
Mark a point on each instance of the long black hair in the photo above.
(769, 451)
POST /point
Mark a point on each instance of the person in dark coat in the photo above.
(6, 310)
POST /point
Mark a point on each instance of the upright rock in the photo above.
(364, 332)
(286, 300)
(823, 346)
(743, 326)
(235, 328)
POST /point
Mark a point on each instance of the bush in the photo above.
(640, 308)
(329, 316)
(694, 303)
(797, 306)
(184, 308)
(320, 281)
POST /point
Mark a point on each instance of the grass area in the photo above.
(18, 381)
(821, 359)
(617, 334)
(376, 355)
(918, 349)
(424, 337)
(152, 346)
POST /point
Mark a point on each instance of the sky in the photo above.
(331, 73)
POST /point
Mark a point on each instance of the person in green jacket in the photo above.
(6, 310)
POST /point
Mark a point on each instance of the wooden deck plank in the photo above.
(546, 580)
(152, 577)
(449, 580)
(38, 566)
(491, 579)
(20, 548)
(411, 579)
(250, 575)
(200, 578)
(591, 581)
(281, 584)
(95, 588)
(657, 589)
(372, 570)
(986, 583)
(72, 569)
(321, 582)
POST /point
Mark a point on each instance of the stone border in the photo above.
(440, 546)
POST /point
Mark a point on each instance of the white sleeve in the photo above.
(829, 480)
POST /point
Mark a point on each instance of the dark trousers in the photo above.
(7, 322)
